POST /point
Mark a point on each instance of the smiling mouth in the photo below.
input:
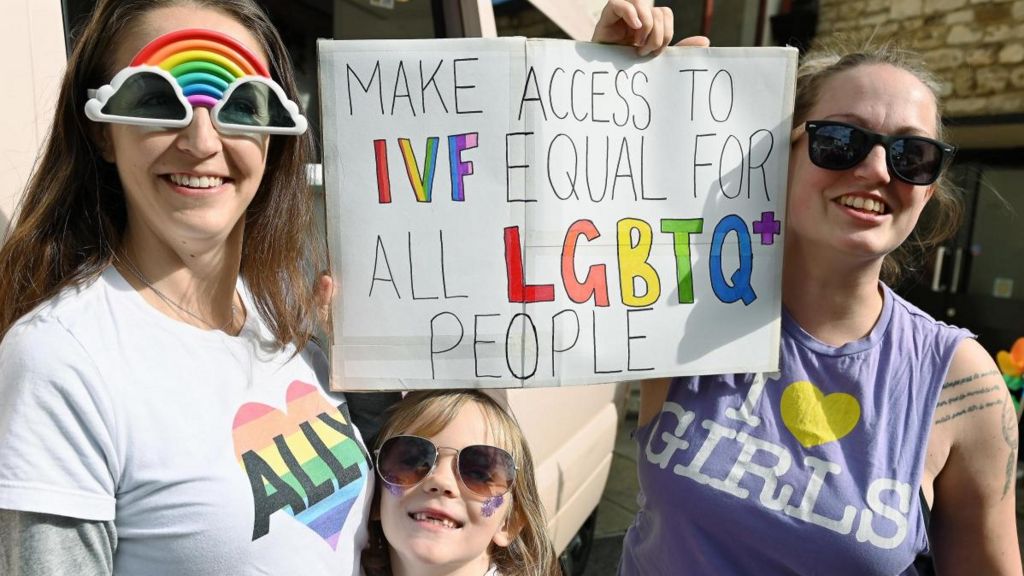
(198, 182)
(442, 521)
(862, 204)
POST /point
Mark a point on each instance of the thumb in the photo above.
(324, 292)
(695, 41)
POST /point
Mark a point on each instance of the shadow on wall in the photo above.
(4, 222)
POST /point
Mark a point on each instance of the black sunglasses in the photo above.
(913, 159)
(486, 471)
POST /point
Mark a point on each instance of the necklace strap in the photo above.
(129, 264)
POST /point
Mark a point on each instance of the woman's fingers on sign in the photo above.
(635, 23)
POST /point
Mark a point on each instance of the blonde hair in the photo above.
(427, 413)
(840, 54)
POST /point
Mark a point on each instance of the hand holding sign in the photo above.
(637, 23)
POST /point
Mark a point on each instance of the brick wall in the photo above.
(975, 46)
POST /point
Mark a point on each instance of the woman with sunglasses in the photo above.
(164, 410)
(886, 444)
(457, 494)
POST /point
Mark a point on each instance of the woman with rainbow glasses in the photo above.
(164, 408)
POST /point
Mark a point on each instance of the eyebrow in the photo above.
(863, 122)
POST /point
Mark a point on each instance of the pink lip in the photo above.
(860, 215)
(435, 513)
(866, 195)
(195, 192)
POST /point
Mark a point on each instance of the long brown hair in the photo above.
(72, 217)
(427, 413)
(945, 209)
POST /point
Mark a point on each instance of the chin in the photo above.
(205, 227)
(867, 250)
(428, 554)
(858, 240)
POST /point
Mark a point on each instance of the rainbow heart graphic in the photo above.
(305, 461)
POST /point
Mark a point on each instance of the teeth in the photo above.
(422, 517)
(861, 203)
(196, 181)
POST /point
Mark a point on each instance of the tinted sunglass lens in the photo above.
(915, 160)
(486, 470)
(837, 147)
(405, 460)
(255, 104)
(146, 95)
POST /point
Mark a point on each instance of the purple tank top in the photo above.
(812, 470)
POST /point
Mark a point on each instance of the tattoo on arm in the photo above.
(971, 378)
(968, 410)
(1012, 440)
(969, 400)
(968, 394)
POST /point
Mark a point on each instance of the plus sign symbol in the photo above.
(768, 227)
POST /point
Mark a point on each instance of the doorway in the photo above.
(976, 280)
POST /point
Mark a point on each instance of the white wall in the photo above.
(32, 39)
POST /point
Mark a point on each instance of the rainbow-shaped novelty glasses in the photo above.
(185, 69)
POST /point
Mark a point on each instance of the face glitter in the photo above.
(395, 491)
(491, 505)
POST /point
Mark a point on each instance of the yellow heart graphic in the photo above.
(815, 419)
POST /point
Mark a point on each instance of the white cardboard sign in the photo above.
(512, 212)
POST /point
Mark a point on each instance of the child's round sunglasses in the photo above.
(406, 460)
(913, 159)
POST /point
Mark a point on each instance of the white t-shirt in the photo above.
(212, 454)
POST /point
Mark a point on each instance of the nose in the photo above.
(442, 479)
(200, 138)
(873, 168)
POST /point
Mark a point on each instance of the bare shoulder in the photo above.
(973, 385)
(974, 509)
(976, 416)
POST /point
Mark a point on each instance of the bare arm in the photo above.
(974, 524)
(652, 396)
(45, 545)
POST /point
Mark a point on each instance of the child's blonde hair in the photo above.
(427, 413)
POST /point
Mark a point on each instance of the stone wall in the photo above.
(975, 46)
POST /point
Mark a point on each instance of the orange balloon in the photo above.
(1006, 364)
(1017, 352)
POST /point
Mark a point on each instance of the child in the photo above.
(456, 494)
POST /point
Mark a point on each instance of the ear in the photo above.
(509, 530)
(504, 537)
(100, 134)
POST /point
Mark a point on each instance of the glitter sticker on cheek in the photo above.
(395, 491)
(491, 505)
